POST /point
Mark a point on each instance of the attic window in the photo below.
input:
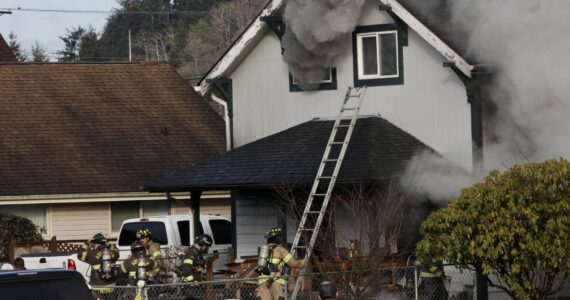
(328, 83)
(378, 55)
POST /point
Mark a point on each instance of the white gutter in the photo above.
(102, 197)
(430, 37)
(246, 40)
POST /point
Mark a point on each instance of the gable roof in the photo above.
(6, 53)
(427, 21)
(71, 128)
(377, 151)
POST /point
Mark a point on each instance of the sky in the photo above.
(47, 27)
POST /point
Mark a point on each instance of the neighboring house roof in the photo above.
(6, 53)
(377, 151)
(69, 128)
(431, 22)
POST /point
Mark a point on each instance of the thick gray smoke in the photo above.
(316, 33)
(527, 43)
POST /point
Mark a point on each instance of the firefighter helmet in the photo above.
(273, 232)
(327, 290)
(203, 240)
(143, 233)
(98, 238)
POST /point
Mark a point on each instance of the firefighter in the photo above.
(194, 266)
(152, 248)
(138, 266)
(270, 280)
(101, 256)
(431, 285)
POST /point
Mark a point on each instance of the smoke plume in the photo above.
(316, 33)
(527, 43)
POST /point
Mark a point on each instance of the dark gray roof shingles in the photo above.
(377, 151)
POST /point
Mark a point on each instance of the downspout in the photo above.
(224, 86)
(227, 120)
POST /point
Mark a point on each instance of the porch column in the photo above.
(195, 206)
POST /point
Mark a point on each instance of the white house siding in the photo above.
(431, 104)
(207, 206)
(255, 214)
(79, 221)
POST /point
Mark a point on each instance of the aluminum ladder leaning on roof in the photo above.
(325, 179)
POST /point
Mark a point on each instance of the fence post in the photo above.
(482, 284)
(12, 250)
(416, 282)
(53, 245)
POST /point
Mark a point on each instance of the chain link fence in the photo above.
(387, 284)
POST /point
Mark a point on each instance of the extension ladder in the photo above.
(324, 181)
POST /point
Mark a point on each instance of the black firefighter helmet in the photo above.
(203, 240)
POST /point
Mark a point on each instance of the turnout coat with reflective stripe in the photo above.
(278, 258)
(92, 254)
(193, 265)
(130, 267)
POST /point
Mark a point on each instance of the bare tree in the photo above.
(360, 232)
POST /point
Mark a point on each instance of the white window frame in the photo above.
(359, 54)
(330, 80)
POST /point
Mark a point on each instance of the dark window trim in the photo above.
(379, 81)
(322, 87)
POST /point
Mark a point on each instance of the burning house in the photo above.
(427, 119)
(282, 82)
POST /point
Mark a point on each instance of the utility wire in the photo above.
(173, 12)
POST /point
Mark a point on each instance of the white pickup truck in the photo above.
(171, 232)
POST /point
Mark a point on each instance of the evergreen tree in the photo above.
(89, 46)
(39, 53)
(16, 47)
(72, 44)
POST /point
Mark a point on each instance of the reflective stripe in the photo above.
(275, 261)
(96, 267)
(133, 274)
(189, 278)
(287, 258)
(188, 261)
(262, 279)
(156, 254)
(427, 275)
(104, 290)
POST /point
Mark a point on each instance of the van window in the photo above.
(222, 231)
(157, 232)
(184, 230)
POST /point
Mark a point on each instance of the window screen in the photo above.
(155, 208)
(121, 211)
(222, 231)
(388, 54)
(370, 55)
(35, 213)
